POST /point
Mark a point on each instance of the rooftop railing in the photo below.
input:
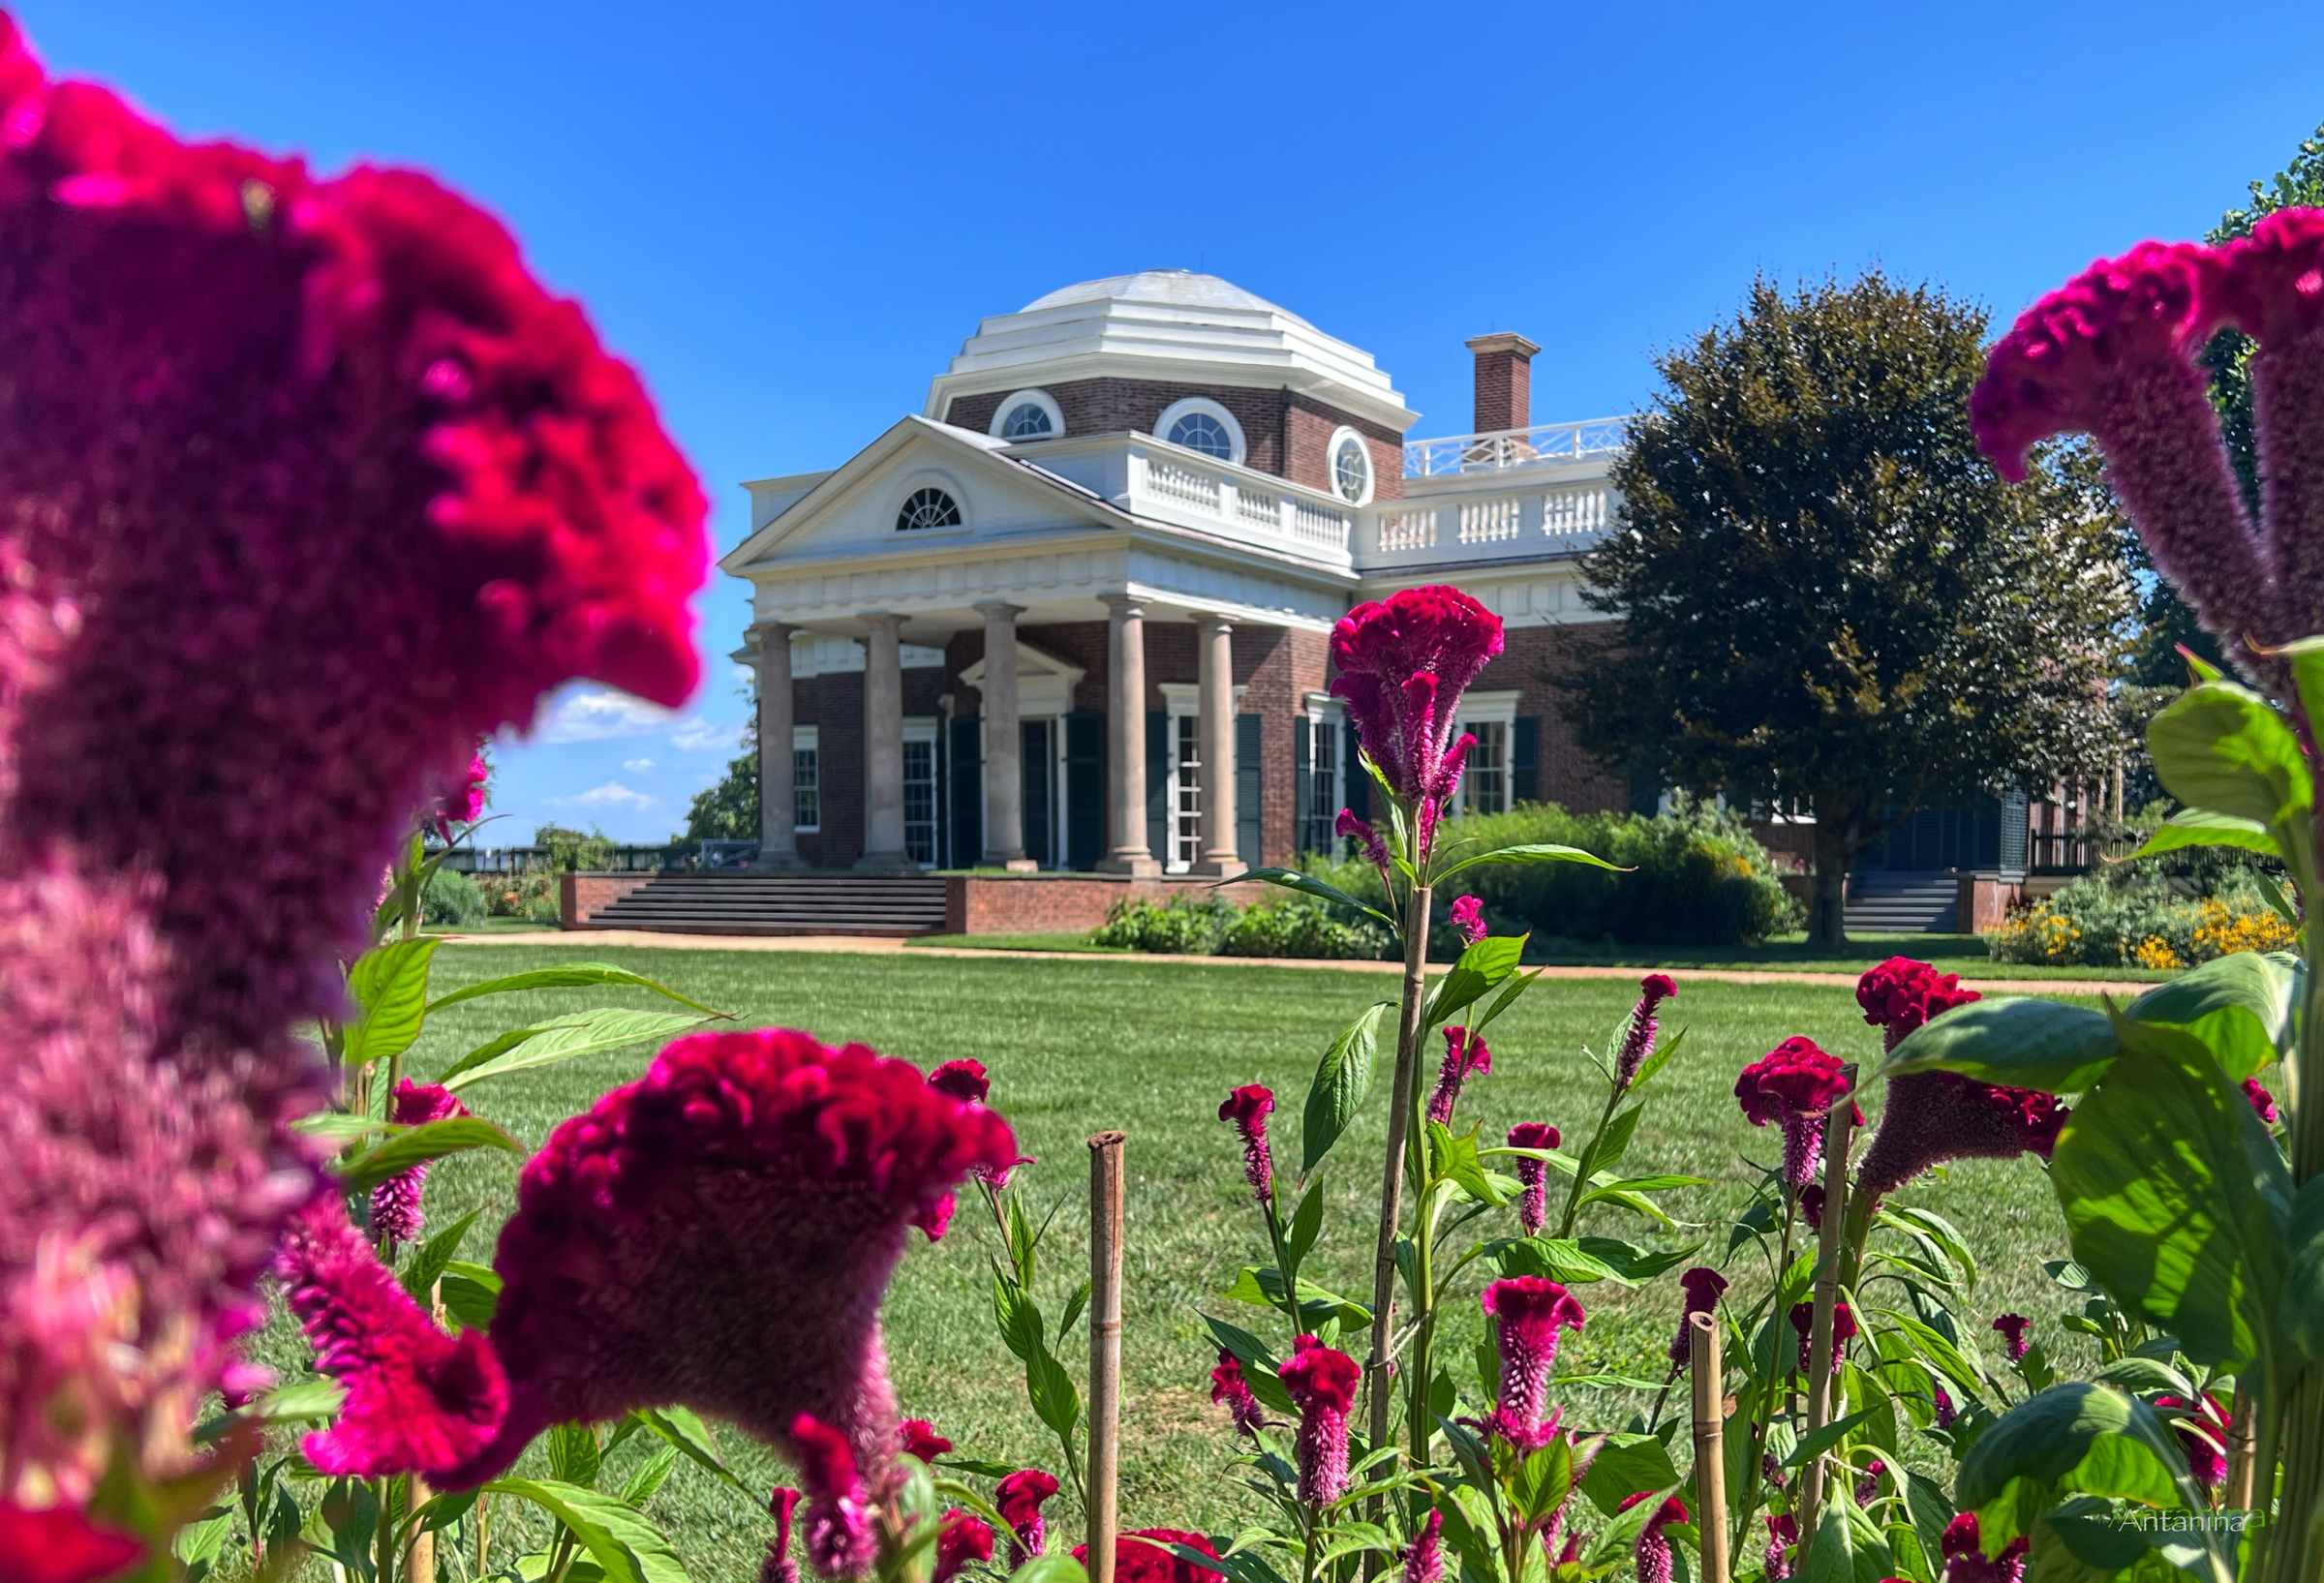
(1541, 443)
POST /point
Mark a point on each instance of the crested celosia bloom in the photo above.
(1783, 1532)
(2011, 1328)
(1231, 1391)
(395, 1213)
(1533, 1175)
(1935, 1117)
(1424, 1556)
(965, 1081)
(1966, 1561)
(1138, 1561)
(778, 1567)
(1402, 665)
(1811, 1205)
(418, 1400)
(962, 1538)
(1901, 995)
(1466, 1055)
(1795, 1084)
(2263, 1103)
(1528, 1311)
(1844, 1331)
(1468, 916)
(1638, 1040)
(1868, 1487)
(1943, 1404)
(464, 804)
(1018, 1500)
(1374, 844)
(839, 1540)
(1321, 1381)
(308, 486)
(2204, 1458)
(1247, 1109)
(1652, 1551)
(1703, 1286)
(921, 1440)
(719, 1234)
(60, 1546)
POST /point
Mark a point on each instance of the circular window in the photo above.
(927, 508)
(1201, 431)
(1351, 467)
(1026, 420)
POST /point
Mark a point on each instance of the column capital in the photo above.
(997, 610)
(1124, 604)
(756, 633)
(1212, 620)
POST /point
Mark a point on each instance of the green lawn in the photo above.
(1076, 1046)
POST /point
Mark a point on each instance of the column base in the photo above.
(780, 864)
(1021, 866)
(1138, 866)
(1211, 868)
(886, 863)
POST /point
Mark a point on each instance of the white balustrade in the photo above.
(1492, 521)
(1259, 510)
(1318, 525)
(1541, 443)
(1221, 495)
(1183, 485)
(1401, 530)
(1568, 511)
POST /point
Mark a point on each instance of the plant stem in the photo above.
(1763, 1414)
(1420, 1425)
(1582, 1185)
(386, 1537)
(1378, 1392)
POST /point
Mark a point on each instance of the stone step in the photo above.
(884, 904)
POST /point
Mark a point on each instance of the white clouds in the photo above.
(696, 734)
(611, 795)
(634, 765)
(596, 716)
(744, 675)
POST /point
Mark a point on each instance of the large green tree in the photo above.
(730, 811)
(1831, 603)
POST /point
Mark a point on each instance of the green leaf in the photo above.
(1482, 966)
(648, 1477)
(1930, 1511)
(1074, 1304)
(470, 1293)
(1662, 1057)
(1824, 1439)
(417, 1145)
(1510, 992)
(1625, 1464)
(339, 1127)
(1306, 1223)
(309, 1401)
(1056, 1403)
(2222, 748)
(420, 1274)
(1456, 1162)
(572, 975)
(2081, 1437)
(1605, 1151)
(1019, 1317)
(1948, 1360)
(1532, 852)
(2304, 1276)
(1263, 1287)
(1618, 1539)
(1342, 1081)
(1291, 879)
(2176, 1199)
(2016, 1043)
(564, 1039)
(690, 1438)
(1543, 1481)
(1258, 1363)
(1057, 1567)
(1631, 1263)
(627, 1547)
(1832, 1556)
(2200, 827)
(574, 1456)
(2240, 1006)
(389, 986)
(1559, 1259)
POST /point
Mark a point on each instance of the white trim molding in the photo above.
(1191, 404)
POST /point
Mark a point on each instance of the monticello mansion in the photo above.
(1073, 615)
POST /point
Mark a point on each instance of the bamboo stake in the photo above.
(1837, 1130)
(419, 1565)
(1710, 1449)
(2242, 1449)
(1104, 1350)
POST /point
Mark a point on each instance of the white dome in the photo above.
(1167, 324)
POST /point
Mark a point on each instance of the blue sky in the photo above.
(789, 216)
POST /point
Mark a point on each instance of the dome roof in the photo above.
(1167, 324)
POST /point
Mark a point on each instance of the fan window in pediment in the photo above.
(927, 508)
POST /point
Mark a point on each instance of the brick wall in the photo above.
(1062, 903)
(834, 706)
(1568, 774)
(1504, 388)
(581, 896)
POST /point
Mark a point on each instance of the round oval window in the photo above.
(1351, 469)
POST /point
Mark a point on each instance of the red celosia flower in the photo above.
(1638, 1040)
(1528, 1310)
(1424, 1556)
(1019, 1500)
(1936, 1117)
(1794, 1083)
(1468, 917)
(2263, 1103)
(1868, 1487)
(1402, 665)
(1137, 1561)
(1466, 1055)
(60, 1546)
(719, 1234)
(1375, 847)
(965, 1081)
(395, 1213)
(838, 1538)
(1703, 1286)
(1230, 1390)
(2269, 293)
(1247, 1109)
(418, 1400)
(1811, 1205)
(1844, 1331)
(2012, 1330)
(1901, 995)
(464, 804)
(1653, 1552)
(962, 1540)
(1533, 1175)
(1947, 1414)
(2204, 1458)
(921, 1440)
(778, 1567)
(1321, 1381)
(1783, 1532)
(1965, 1556)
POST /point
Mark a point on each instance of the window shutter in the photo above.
(1085, 788)
(1250, 749)
(1525, 761)
(1302, 782)
(968, 793)
(1158, 784)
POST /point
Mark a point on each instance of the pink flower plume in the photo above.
(1402, 665)
(395, 1213)
(1322, 1381)
(1528, 1312)
(1018, 1500)
(838, 1519)
(1533, 1175)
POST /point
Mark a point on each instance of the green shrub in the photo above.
(1301, 928)
(451, 899)
(1184, 926)
(531, 894)
(2100, 922)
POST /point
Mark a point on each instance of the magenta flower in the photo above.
(1230, 1390)
(2204, 1458)
(778, 1567)
(1703, 1286)
(1468, 917)
(1936, 1117)
(1402, 665)
(965, 1081)
(1844, 1331)
(1901, 995)
(921, 1440)
(464, 804)
(1794, 1083)
(1783, 1532)
(1868, 1486)
(1653, 1552)
(1137, 1561)
(1466, 1055)
(1018, 1500)
(2263, 1103)
(1375, 847)
(59, 1544)
(1533, 1175)
(960, 1539)
(418, 1400)
(1638, 1040)
(1947, 1414)
(719, 1234)
(839, 1536)
(1321, 1381)
(1528, 1311)
(1811, 1205)
(1966, 1561)
(395, 1213)
(2012, 1328)
(1424, 1556)
(1247, 1109)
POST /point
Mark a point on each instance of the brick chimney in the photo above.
(1503, 381)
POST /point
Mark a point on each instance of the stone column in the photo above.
(778, 839)
(1216, 646)
(1004, 742)
(883, 745)
(1126, 739)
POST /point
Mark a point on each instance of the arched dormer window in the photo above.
(1203, 426)
(929, 508)
(1028, 414)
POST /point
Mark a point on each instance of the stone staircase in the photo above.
(887, 905)
(1881, 902)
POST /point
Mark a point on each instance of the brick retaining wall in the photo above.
(581, 896)
(1062, 903)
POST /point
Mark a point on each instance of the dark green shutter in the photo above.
(1250, 746)
(1040, 796)
(1302, 783)
(1525, 761)
(1158, 784)
(968, 794)
(1085, 788)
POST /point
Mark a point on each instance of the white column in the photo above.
(1004, 742)
(883, 744)
(778, 839)
(1215, 676)
(1125, 738)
